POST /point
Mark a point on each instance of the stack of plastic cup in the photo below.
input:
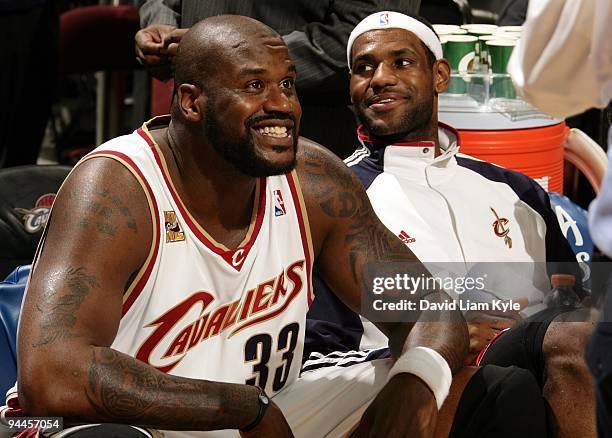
(459, 51)
(499, 51)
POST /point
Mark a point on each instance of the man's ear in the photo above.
(191, 102)
(441, 75)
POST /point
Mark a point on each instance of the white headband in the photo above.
(392, 20)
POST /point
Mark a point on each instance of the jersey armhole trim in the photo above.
(143, 274)
(302, 217)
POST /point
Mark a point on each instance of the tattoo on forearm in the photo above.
(64, 294)
(123, 389)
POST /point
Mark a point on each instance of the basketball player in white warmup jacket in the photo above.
(171, 288)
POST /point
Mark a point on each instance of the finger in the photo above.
(151, 49)
(153, 60)
(174, 36)
(477, 344)
(469, 359)
(139, 53)
(500, 324)
(483, 330)
(172, 49)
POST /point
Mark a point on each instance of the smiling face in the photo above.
(393, 85)
(252, 112)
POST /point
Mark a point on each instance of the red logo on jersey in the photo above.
(405, 237)
(501, 229)
(170, 341)
(279, 204)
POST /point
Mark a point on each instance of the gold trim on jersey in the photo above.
(212, 240)
(154, 218)
(298, 189)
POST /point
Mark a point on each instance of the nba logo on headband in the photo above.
(384, 19)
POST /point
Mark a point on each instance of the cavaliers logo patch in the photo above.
(501, 228)
(173, 228)
(34, 219)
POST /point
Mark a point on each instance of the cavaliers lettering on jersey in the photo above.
(198, 309)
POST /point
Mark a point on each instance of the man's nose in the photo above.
(278, 100)
(384, 76)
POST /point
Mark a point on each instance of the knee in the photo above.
(563, 348)
(567, 339)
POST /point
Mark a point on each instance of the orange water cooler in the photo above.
(516, 137)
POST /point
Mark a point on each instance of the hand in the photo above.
(273, 424)
(151, 50)
(405, 407)
(171, 42)
(484, 326)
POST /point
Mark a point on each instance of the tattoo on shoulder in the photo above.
(64, 294)
(341, 195)
(102, 209)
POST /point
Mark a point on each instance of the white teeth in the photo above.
(274, 131)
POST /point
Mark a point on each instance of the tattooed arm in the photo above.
(99, 236)
(350, 243)
(349, 239)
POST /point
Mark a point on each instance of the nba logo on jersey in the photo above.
(384, 19)
(279, 204)
(405, 237)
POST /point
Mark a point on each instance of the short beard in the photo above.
(241, 152)
(414, 121)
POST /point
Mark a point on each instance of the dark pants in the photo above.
(500, 402)
(599, 359)
(28, 56)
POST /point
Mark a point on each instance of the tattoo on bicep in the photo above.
(102, 209)
(64, 294)
(340, 195)
(105, 228)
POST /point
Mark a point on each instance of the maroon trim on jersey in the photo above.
(149, 267)
(305, 245)
(229, 255)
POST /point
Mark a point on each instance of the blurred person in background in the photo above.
(563, 65)
(28, 55)
(513, 13)
(315, 32)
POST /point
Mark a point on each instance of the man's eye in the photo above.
(256, 85)
(363, 68)
(403, 62)
(288, 83)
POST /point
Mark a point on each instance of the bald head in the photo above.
(210, 43)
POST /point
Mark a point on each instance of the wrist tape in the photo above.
(429, 366)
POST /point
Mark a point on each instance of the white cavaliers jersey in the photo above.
(198, 309)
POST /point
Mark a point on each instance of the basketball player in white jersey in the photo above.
(171, 287)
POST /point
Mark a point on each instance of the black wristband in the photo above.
(264, 402)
